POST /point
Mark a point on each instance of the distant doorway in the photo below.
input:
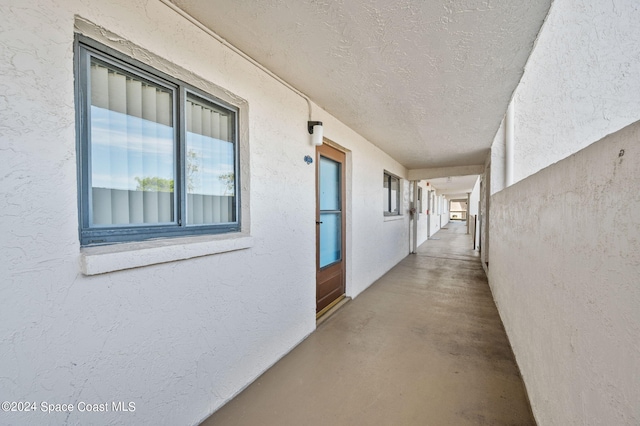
(458, 210)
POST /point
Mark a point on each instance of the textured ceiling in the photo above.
(426, 81)
(454, 185)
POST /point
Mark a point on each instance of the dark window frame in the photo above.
(389, 178)
(84, 49)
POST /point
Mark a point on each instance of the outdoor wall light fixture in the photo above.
(315, 130)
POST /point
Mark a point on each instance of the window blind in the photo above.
(132, 149)
(210, 163)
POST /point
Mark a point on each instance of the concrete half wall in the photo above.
(564, 271)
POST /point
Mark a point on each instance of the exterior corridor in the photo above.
(424, 345)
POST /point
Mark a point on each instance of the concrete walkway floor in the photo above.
(424, 345)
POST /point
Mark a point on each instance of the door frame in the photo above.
(341, 157)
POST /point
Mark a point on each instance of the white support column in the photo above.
(416, 213)
(429, 212)
(468, 205)
(509, 128)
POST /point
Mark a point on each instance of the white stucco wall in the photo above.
(474, 198)
(564, 271)
(444, 211)
(423, 232)
(432, 219)
(484, 213)
(441, 218)
(474, 208)
(182, 337)
(580, 83)
(498, 160)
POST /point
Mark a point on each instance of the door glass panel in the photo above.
(330, 215)
(329, 184)
(330, 238)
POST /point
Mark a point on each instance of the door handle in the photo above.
(318, 223)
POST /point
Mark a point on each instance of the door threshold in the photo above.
(331, 309)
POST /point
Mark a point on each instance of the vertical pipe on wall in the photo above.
(416, 212)
(509, 127)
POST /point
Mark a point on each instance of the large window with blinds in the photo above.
(157, 157)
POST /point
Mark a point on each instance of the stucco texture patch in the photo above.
(580, 83)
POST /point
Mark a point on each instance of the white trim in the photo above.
(394, 217)
(116, 257)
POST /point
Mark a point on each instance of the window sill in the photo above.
(393, 217)
(116, 257)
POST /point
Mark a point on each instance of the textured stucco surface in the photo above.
(485, 209)
(498, 165)
(474, 209)
(455, 185)
(178, 338)
(440, 217)
(444, 172)
(581, 82)
(474, 198)
(423, 231)
(565, 262)
(427, 81)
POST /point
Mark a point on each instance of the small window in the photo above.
(391, 195)
(157, 157)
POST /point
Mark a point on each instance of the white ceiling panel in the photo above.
(426, 81)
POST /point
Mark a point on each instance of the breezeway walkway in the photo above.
(424, 345)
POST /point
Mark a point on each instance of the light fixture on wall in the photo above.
(315, 130)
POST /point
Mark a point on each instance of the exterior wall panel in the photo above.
(565, 262)
(180, 337)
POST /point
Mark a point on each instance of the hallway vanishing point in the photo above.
(424, 345)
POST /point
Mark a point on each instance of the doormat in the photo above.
(434, 238)
(444, 228)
